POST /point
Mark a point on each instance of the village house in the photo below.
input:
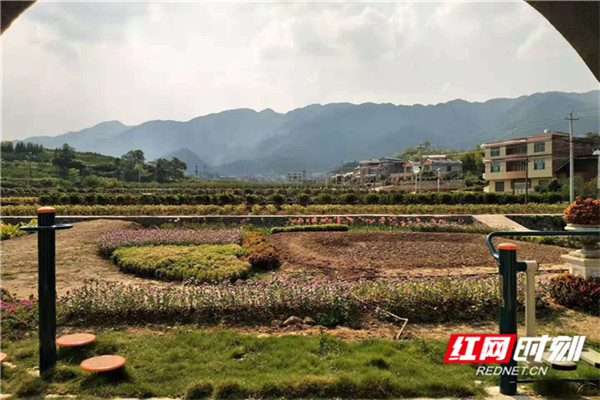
(535, 160)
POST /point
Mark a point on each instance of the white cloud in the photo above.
(67, 66)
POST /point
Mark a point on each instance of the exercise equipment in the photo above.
(508, 267)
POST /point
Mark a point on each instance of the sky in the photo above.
(68, 66)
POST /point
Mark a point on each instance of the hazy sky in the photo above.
(68, 66)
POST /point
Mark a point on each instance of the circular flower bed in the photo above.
(206, 263)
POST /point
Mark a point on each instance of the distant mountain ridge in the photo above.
(317, 137)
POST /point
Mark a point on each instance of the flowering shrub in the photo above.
(310, 228)
(18, 316)
(583, 211)
(329, 302)
(575, 291)
(206, 263)
(261, 254)
(109, 242)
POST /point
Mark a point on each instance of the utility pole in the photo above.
(196, 171)
(571, 158)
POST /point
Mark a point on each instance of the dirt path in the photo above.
(76, 258)
(352, 255)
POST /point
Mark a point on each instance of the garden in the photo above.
(326, 306)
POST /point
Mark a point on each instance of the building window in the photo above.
(539, 147)
(449, 168)
(495, 167)
(495, 151)
(516, 166)
(543, 182)
(539, 164)
(516, 149)
(499, 186)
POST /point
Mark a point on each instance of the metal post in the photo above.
(47, 288)
(47, 284)
(507, 268)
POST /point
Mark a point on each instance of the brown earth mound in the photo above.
(352, 255)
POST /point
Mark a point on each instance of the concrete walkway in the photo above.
(500, 222)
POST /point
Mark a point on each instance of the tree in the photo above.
(7, 147)
(64, 159)
(132, 165)
(472, 160)
(425, 144)
(166, 171)
(74, 175)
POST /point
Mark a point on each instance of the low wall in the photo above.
(257, 220)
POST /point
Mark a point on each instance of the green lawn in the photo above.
(200, 364)
(231, 365)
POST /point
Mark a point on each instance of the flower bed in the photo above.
(18, 316)
(205, 263)
(325, 227)
(386, 223)
(108, 243)
(329, 302)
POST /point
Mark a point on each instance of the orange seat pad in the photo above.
(103, 363)
(74, 340)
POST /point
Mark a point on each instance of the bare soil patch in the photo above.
(77, 258)
(353, 255)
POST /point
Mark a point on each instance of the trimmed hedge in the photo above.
(290, 196)
(261, 254)
(577, 292)
(206, 263)
(310, 228)
(292, 209)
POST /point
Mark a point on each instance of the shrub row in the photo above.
(310, 228)
(260, 254)
(205, 263)
(19, 200)
(360, 197)
(111, 241)
(329, 302)
(330, 209)
(575, 291)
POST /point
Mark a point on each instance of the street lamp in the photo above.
(597, 153)
(439, 174)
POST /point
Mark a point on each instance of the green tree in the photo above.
(74, 175)
(64, 160)
(166, 171)
(132, 164)
(472, 161)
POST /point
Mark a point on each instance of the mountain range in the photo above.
(317, 137)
